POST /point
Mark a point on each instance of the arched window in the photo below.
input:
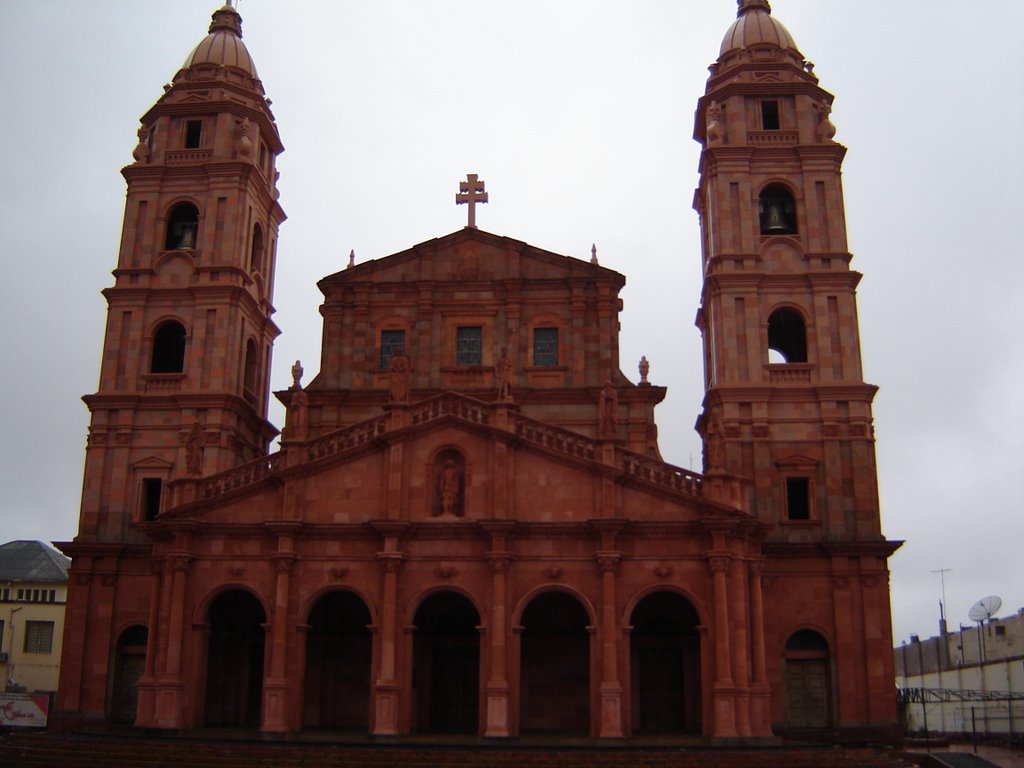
(252, 370)
(169, 348)
(787, 336)
(778, 211)
(182, 228)
(256, 257)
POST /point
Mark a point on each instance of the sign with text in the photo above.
(24, 710)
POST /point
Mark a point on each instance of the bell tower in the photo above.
(184, 380)
(786, 405)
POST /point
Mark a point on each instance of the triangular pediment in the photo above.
(153, 463)
(545, 472)
(470, 255)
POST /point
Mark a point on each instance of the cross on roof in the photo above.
(472, 192)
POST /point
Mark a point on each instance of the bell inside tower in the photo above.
(777, 211)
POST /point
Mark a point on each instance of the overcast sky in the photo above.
(578, 114)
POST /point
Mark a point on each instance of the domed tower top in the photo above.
(223, 46)
(755, 29)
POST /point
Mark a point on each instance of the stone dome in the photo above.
(223, 46)
(755, 26)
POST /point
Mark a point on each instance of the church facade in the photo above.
(468, 527)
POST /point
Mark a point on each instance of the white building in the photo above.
(967, 681)
(33, 591)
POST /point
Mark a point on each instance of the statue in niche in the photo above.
(826, 129)
(400, 376)
(607, 411)
(450, 485)
(194, 450)
(503, 375)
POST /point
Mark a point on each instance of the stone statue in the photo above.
(297, 375)
(401, 376)
(715, 130)
(245, 141)
(826, 129)
(503, 375)
(608, 407)
(194, 450)
(141, 151)
(449, 488)
(644, 368)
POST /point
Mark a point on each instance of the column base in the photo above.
(611, 711)
(385, 720)
(496, 724)
(275, 700)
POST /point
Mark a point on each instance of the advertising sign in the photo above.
(24, 710)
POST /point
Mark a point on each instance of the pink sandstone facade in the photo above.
(468, 527)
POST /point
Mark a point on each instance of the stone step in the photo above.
(41, 750)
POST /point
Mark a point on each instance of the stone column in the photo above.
(145, 711)
(611, 689)
(722, 692)
(497, 717)
(739, 638)
(387, 689)
(275, 682)
(760, 691)
(171, 688)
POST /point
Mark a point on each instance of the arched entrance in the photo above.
(129, 664)
(808, 697)
(338, 653)
(234, 661)
(554, 664)
(446, 665)
(664, 654)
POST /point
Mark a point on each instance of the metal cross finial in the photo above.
(471, 192)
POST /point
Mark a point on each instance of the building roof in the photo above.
(32, 561)
(223, 46)
(755, 26)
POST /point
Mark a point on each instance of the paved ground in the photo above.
(998, 756)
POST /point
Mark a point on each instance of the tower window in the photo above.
(256, 257)
(152, 488)
(787, 335)
(469, 345)
(391, 342)
(182, 227)
(777, 211)
(193, 134)
(770, 115)
(545, 347)
(169, 348)
(252, 371)
(798, 498)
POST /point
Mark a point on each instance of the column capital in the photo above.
(390, 561)
(608, 562)
(719, 563)
(499, 561)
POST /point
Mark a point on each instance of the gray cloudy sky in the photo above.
(578, 115)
